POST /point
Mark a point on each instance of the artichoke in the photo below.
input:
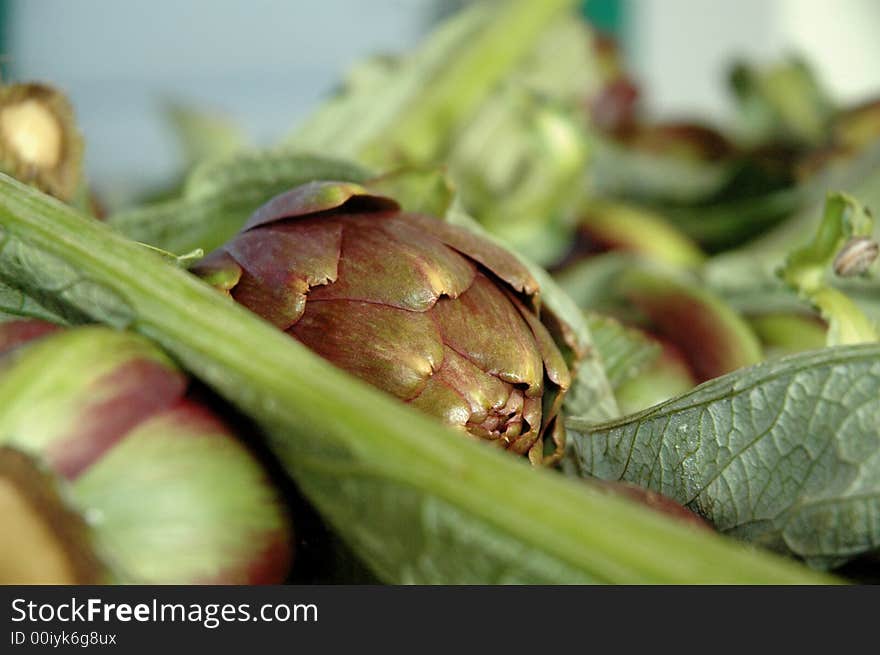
(443, 319)
(123, 474)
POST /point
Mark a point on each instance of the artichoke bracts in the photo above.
(431, 313)
(167, 493)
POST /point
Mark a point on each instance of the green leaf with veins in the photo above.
(785, 454)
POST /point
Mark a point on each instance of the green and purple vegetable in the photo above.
(442, 319)
(157, 487)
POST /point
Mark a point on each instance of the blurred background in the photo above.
(266, 63)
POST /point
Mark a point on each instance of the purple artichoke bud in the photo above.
(431, 313)
(168, 493)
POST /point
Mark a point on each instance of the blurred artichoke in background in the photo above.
(442, 319)
(721, 187)
(111, 472)
(40, 143)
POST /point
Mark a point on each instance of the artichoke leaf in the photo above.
(783, 454)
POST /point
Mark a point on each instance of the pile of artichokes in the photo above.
(363, 355)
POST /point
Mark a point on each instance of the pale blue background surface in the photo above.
(268, 62)
(265, 62)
